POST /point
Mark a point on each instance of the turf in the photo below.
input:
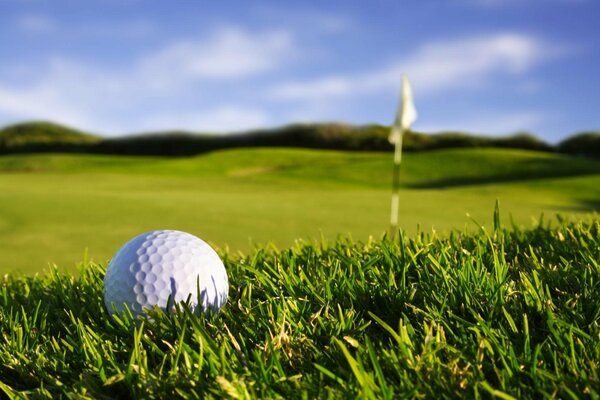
(54, 207)
(504, 313)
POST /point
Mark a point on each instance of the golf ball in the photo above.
(160, 268)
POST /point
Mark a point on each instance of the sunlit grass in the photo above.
(53, 207)
(506, 312)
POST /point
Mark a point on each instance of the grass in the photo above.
(504, 313)
(54, 207)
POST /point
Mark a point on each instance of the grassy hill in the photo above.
(46, 137)
(585, 144)
(332, 136)
(54, 206)
(441, 168)
(43, 137)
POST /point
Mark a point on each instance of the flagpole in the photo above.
(396, 186)
(405, 116)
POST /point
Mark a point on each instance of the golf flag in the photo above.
(407, 113)
(405, 117)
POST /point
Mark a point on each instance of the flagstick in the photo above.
(406, 115)
(396, 187)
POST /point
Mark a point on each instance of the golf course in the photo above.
(300, 200)
(61, 209)
(488, 289)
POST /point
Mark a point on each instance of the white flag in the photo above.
(407, 113)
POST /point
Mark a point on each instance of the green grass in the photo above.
(54, 207)
(505, 313)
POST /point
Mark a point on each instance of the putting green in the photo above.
(54, 207)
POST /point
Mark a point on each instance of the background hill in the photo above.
(582, 144)
(48, 137)
(44, 137)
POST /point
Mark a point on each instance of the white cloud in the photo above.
(328, 23)
(494, 124)
(314, 90)
(219, 120)
(441, 65)
(108, 100)
(434, 67)
(171, 87)
(228, 53)
(43, 24)
(65, 92)
(41, 102)
(312, 21)
(34, 23)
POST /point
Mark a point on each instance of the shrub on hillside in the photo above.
(48, 137)
(163, 144)
(522, 140)
(43, 137)
(583, 144)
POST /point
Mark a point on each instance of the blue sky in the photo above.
(124, 66)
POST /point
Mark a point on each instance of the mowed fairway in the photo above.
(54, 207)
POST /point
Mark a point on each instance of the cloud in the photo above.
(434, 67)
(331, 86)
(438, 66)
(109, 100)
(43, 24)
(494, 124)
(67, 92)
(334, 24)
(229, 53)
(297, 17)
(34, 23)
(181, 84)
(222, 119)
(41, 102)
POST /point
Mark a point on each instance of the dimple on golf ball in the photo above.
(164, 267)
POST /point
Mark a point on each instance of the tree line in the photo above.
(34, 137)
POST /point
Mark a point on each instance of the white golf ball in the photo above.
(160, 268)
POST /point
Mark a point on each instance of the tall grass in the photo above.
(505, 313)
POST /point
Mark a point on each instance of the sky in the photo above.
(116, 67)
